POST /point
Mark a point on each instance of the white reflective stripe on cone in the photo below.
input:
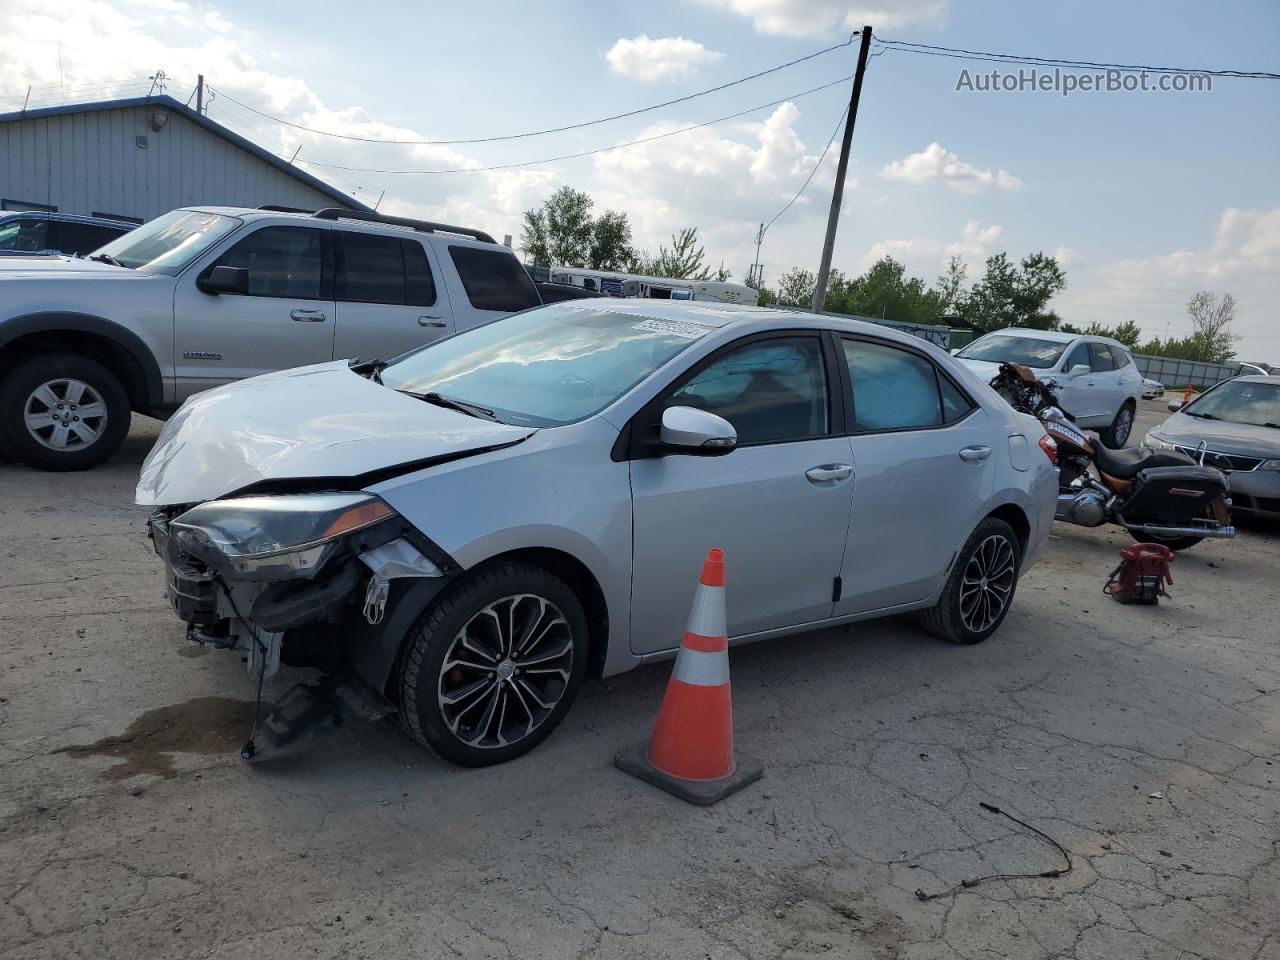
(702, 669)
(706, 619)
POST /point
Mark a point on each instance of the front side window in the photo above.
(83, 237)
(282, 262)
(24, 235)
(1079, 356)
(494, 280)
(897, 390)
(546, 367)
(168, 243)
(771, 391)
(1119, 357)
(1003, 348)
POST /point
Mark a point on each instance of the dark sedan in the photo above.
(1238, 421)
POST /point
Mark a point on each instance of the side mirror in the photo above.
(689, 430)
(1175, 406)
(956, 350)
(225, 280)
(1079, 370)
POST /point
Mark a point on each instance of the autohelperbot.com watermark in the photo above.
(1066, 82)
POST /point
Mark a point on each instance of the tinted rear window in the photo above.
(374, 269)
(420, 286)
(494, 280)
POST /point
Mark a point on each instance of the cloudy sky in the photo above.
(1146, 197)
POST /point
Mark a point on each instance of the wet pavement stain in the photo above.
(195, 650)
(203, 725)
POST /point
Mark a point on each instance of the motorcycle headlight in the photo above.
(1158, 443)
(274, 537)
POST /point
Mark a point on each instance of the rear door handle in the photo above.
(974, 454)
(307, 316)
(430, 321)
(829, 473)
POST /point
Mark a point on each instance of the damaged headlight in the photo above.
(275, 537)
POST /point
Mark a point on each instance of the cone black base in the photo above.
(747, 770)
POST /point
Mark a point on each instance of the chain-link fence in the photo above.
(1178, 373)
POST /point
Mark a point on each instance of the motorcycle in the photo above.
(1159, 496)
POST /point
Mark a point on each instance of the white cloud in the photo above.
(1243, 259)
(927, 255)
(811, 18)
(659, 58)
(936, 163)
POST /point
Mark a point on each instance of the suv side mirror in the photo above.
(956, 350)
(690, 430)
(1175, 406)
(1079, 370)
(225, 280)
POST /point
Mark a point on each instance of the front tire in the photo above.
(492, 669)
(1117, 435)
(62, 411)
(980, 587)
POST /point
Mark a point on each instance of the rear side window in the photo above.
(82, 237)
(373, 269)
(897, 390)
(420, 286)
(494, 280)
(1100, 357)
(1119, 357)
(26, 235)
(282, 262)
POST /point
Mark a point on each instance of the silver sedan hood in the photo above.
(321, 422)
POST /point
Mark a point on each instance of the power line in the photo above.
(587, 153)
(959, 53)
(548, 130)
(812, 173)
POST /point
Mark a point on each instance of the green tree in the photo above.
(562, 232)
(884, 292)
(681, 261)
(1012, 295)
(950, 286)
(1211, 317)
(795, 288)
(1126, 332)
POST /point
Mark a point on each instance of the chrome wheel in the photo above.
(1123, 426)
(987, 583)
(505, 671)
(65, 414)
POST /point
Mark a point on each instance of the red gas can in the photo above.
(1142, 574)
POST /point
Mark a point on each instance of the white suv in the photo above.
(1094, 378)
(200, 297)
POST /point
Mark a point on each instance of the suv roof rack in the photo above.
(422, 226)
(280, 208)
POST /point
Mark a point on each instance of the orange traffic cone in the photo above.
(691, 753)
(1186, 395)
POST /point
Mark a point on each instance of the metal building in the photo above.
(135, 159)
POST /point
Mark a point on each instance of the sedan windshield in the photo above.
(1028, 351)
(1240, 401)
(169, 242)
(544, 367)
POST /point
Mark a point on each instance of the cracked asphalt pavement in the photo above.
(1145, 740)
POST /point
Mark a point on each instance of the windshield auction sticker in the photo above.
(675, 328)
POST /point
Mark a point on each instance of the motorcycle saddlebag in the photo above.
(1173, 494)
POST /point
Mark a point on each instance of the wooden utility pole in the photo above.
(837, 196)
(200, 93)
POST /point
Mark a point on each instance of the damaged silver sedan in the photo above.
(462, 535)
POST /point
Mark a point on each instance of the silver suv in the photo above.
(201, 297)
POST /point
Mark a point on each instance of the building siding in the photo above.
(89, 162)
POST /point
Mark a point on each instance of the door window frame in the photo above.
(939, 374)
(326, 261)
(636, 441)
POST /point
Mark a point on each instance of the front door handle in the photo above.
(974, 454)
(430, 321)
(307, 316)
(829, 473)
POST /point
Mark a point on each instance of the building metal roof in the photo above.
(181, 109)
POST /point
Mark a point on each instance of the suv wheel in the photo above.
(62, 411)
(980, 589)
(1117, 435)
(493, 668)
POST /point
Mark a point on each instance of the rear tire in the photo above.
(62, 411)
(1173, 543)
(492, 669)
(1117, 435)
(980, 587)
